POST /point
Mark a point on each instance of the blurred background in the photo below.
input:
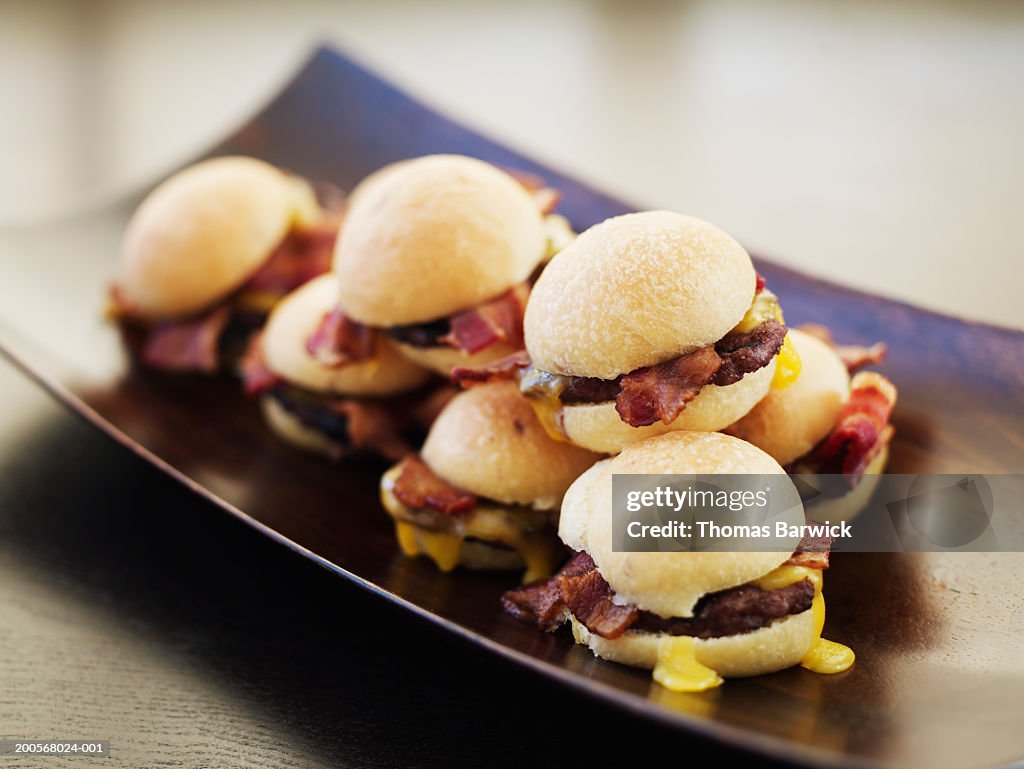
(878, 144)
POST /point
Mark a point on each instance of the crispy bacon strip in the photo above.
(812, 552)
(257, 377)
(505, 368)
(301, 256)
(589, 598)
(853, 356)
(371, 428)
(187, 345)
(419, 486)
(499, 320)
(339, 340)
(861, 429)
(661, 392)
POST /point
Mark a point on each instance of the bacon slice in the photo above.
(257, 377)
(506, 368)
(419, 486)
(589, 598)
(303, 255)
(811, 552)
(539, 603)
(862, 428)
(339, 340)
(371, 427)
(499, 320)
(661, 392)
(853, 356)
(187, 345)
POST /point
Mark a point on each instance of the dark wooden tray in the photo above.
(939, 679)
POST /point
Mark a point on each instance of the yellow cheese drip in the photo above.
(678, 669)
(825, 656)
(443, 549)
(764, 307)
(787, 365)
(539, 557)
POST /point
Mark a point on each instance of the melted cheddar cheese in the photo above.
(787, 365)
(488, 522)
(678, 669)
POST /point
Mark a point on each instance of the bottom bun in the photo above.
(442, 359)
(481, 556)
(777, 646)
(290, 428)
(598, 427)
(852, 503)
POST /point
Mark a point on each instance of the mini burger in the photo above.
(436, 253)
(484, 492)
(211, 250)
(826, 423)
(646, 324)
(694, 618)
(353, 406)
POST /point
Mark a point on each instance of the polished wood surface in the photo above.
(939, 677)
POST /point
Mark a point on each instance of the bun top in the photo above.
(637, 290)
(292, 322)
(488, 441)
(201, 233)
(428, 237)
(790, 422)
(668, 584)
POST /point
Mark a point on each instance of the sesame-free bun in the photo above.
(488, 441)
(598, 427)
(789, 422)
(776, 646)
(292, 322)
(442, 358)
(369, 181)
(433, 236)
(668, 584)
(634, 291)
(201, 233)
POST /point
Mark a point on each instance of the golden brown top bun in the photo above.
(297, 316)
(668, 584)
(488, 441)
(201, 233)
(637, 290)
(788, 423)
(433, 236)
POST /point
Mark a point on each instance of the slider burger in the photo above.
(645, 324)
(436, 253)
(209, 252)
(485, 490)
(334, 410)
(693, 617)
(826, 423)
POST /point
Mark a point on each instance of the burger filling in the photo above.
(578, 590)
(436, 519)
(349, 424)
(660, 392)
